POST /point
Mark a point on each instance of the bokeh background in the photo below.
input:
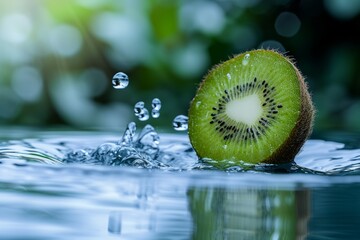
(57, 58)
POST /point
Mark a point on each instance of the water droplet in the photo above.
(246, 59)
(198, 103)
(144, 115)
(155, 113)
(180, 123)
(120, 80)
(138, 108)
(156, 104)
(128, 137)
(228, 76)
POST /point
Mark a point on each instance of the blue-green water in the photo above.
(57, 185)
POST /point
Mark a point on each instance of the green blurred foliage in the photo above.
(57, 58)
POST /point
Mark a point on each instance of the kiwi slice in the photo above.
(252, 108)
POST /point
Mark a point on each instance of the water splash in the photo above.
(180, 123)
(128, 136)
(131, 150)
(120, 80)
(143, 150)
(148, 141)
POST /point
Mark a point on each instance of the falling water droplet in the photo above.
(120, 80)
(155, 113)
(156, 104)
(180, 123)
(144, 115)
(139, 108)
(246, 59)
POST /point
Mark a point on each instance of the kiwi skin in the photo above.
(303, 127)
(287, 151)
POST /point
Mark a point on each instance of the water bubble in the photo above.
(120, 80)
(228, 76)
(144, 115)
(246, 59)
(156, 104)
(138, 108)
(128, 137)
(155, 113)
(180, 123)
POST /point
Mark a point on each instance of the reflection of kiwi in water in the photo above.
(254, 108)
(222, 213)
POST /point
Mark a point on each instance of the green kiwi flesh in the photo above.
(252, 108)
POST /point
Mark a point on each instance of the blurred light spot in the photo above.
(81, 111)
(126, 35)
(287, 24)
(92, 3)
(27, 83)
(242, 37)
(65, 40)
(10, 104)
(191, 60)
(15, 28)
(343, 9)
(203, 16)
(272, 44)
(93, 82)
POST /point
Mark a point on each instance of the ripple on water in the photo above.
(169, 152)
(158, 189)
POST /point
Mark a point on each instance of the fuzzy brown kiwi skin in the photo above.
(303, 127)
(302, 130)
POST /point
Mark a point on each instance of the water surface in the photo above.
(69, 185)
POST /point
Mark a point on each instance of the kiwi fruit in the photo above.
(253, 108)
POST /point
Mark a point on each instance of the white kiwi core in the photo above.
(247, 110)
